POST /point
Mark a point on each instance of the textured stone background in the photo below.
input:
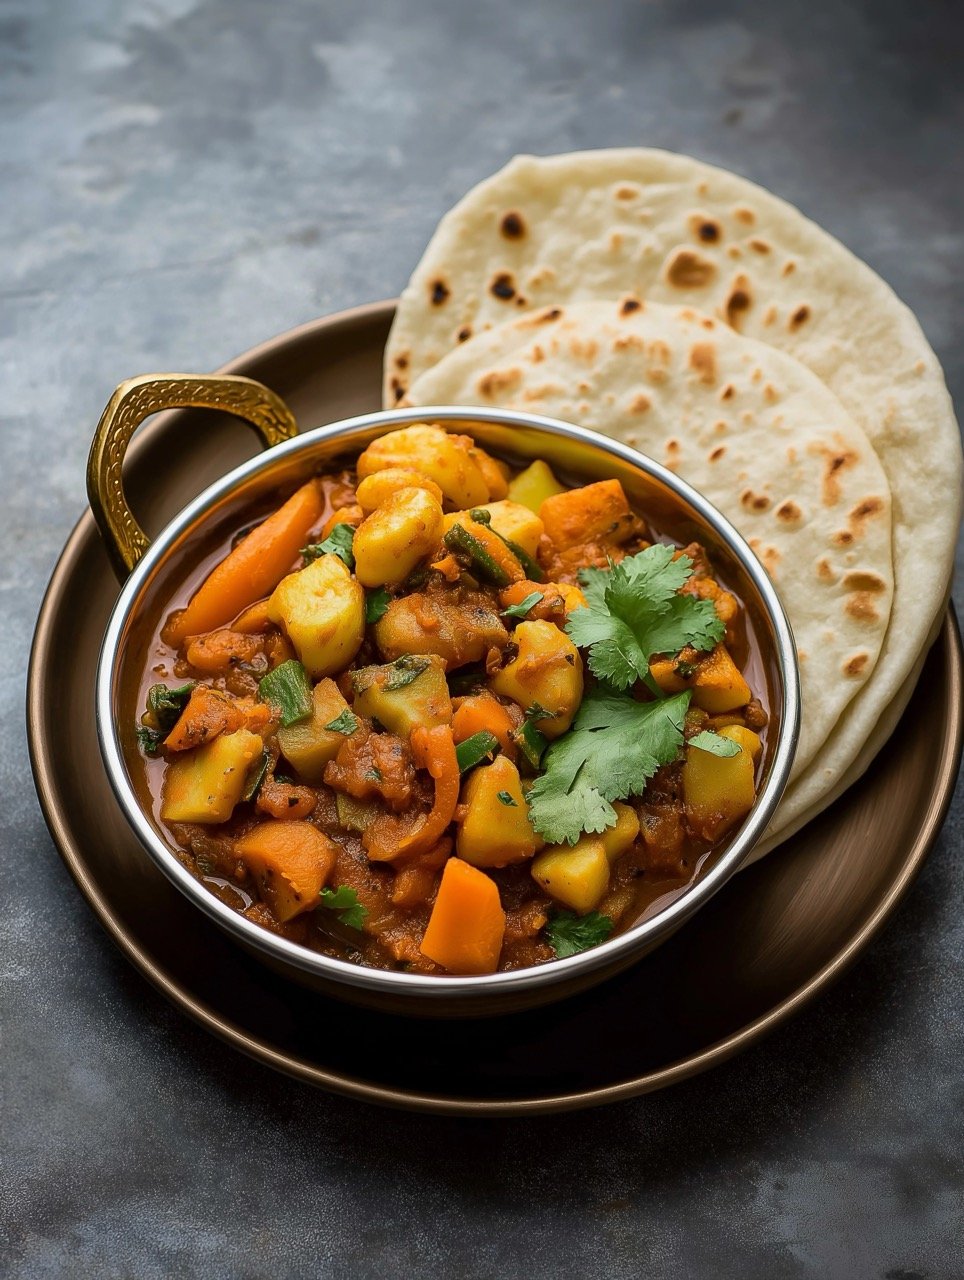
(182, 178)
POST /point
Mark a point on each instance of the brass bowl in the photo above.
(158, 569)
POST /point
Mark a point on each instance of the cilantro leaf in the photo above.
(634, 611)
(569, 934)
(505, 798)
(345, 723)
(344, 902)
(376, 602)
(522, 609)
(338, 543)
(149, 740)
(714, 744)
(614, 747)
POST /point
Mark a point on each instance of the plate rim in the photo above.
(225, 1029)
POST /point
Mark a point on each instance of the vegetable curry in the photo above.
(439, 714)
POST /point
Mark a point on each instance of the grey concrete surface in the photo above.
(182, 178)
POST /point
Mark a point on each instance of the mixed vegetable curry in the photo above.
(438, 714)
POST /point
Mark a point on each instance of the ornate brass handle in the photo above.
(135, 400)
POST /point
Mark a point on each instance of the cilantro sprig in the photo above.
(614, 747)
(338, 543)
(634, 611)
(344, 902)
(568, 934)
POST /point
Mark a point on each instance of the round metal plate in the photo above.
(768, 943)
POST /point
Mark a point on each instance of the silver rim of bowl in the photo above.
(391, 982)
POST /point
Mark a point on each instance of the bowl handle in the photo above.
(135, 400)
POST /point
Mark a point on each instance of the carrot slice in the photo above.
(480, 712)
(467, 924)
(252, 569)
(207, 714)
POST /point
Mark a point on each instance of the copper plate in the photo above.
(768, 943)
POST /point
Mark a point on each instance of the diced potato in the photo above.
(532, 486)
(717, 790)
(511, 520)
(495, 832)
(400, 702)
(595, 513)
(718, 685)
(379, 487)
(573, 596)
(576, 875)
(291, 862)
(390, 542)
(495, 473)
(547, 670)
(618, 839)
(446, 459)
(322, 610)
(745, 738)
(460, 630)
(307, 745)
(205, 784)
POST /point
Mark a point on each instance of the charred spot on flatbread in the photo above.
(438, 292)
(513, 225)
(629, 305)
(738, 301)
(686, 269)
(703, 362)
(497, 381)
(799, 317)
(856, 664)
(503, 286)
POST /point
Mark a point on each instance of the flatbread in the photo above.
(751, 428)
(598, 224)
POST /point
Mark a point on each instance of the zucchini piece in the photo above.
(355, 815)
(310, 744)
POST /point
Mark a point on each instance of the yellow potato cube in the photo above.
(618, 839)
(205, 784)
(717, 791)
(516, 522)
(532, 486)
(404, 694)
(496, 829)
(745, 738)
(446, 459)
(547, 670)
(308, 745)
(379, 487)
(577, 875)
(718, 685)
(322, 610)
(390, 542)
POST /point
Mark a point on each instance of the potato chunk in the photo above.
(390, 542)
(718, 685)
(460, 626)
(718, 791)
(576, 875)
(618, 839)
(322, 609)
(405, 694)
(291, 862)
(532, 486)
(205, 784)
(547, 670)
(307, 744)
(496, 829)
(446, 459)
(379, 487)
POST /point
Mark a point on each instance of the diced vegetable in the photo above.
(547, 670)
(516, 523)
(208, 713)
(164, 704)
(531, 743)
(404, 694)
(399, 533)
(718, 685)
(483, 551)
(494, 473)
(288, 690)
(478, 712)
(379, 487)
(322, 609)
(472, 751)
(467, 924)
(620, 838)
(532, 486)
(355, 815)
(743, 737)
(576, 875)
(459, 631)
(252, 569)
(222, 650)
(389, 837)
(446, 459)
(291, 862)
(205, 784)
(256, 776)
(310, 744)
(495, 830)
(718, 790)
(595, 513)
